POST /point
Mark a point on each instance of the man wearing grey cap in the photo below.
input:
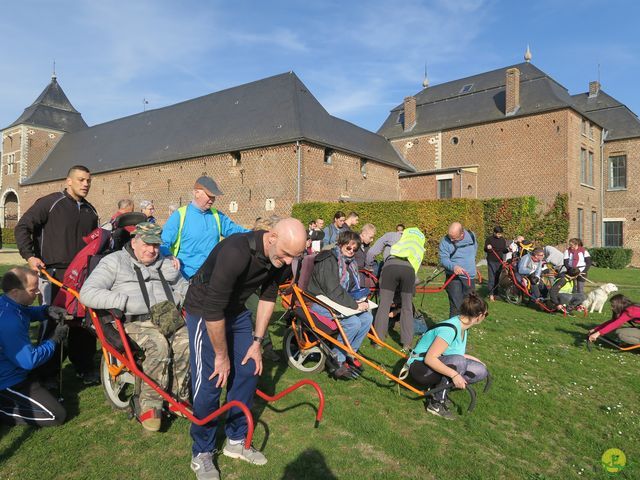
(192, 231)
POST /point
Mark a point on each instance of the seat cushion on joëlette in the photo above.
(325, 324)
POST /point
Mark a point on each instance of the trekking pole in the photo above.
(60, 397)
(586, 279)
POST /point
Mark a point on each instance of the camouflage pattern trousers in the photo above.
(169, 371)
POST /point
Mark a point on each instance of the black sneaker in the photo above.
(343, 372)
(355, 364)
(269, 353)
(440, 409)
(90, 378)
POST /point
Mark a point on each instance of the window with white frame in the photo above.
(618, 172)
(11, 163)
(613, 233)
(590, 169)
(594, 229)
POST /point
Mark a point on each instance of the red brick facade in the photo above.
(536, 155)
(623, 204)
(263, 182)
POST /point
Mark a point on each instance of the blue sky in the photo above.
(359, 58)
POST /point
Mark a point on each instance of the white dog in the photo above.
(598, 297)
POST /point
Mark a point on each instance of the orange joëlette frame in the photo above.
(300, 298)
(128, 362)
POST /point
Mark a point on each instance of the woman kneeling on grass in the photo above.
(440, 358)
(623, 310)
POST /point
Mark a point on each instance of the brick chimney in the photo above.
(512, 104)
(594, 89)
(409, 113)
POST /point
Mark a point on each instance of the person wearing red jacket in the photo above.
(623, 311)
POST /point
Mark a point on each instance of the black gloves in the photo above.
(60, 333)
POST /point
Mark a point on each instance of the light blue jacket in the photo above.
(526, 266)
(17, 355)
(461, 253)
(199, 236)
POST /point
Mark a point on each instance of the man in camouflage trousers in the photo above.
(137, 280)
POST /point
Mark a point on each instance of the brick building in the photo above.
(268, 144)
(517, 131)
(504, 133)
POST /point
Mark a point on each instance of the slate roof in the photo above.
(52, 109)
(620, 122)
(275, 110)
(444, 106)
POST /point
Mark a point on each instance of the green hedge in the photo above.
(523, 216)
(517, 216)
(432, 217)
(8, 236)
(611, 257)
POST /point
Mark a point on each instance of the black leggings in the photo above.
(471, 370)
(29, 403)
(397, 275)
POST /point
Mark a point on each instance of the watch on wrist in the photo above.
(258, 339)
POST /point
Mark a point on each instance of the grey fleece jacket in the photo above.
(114, 284)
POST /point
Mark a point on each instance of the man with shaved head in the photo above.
(458, 256)
(224, 349)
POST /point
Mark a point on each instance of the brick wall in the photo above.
(342, 178)
(421, 151)
(625, 204)
(261, 174)
(536, 155)
(584, 196)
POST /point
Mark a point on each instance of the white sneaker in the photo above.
(250, 454)
(202, 465)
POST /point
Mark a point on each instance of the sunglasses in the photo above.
(350, 249)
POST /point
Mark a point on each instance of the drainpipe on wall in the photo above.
(299, 156)
(602, 187)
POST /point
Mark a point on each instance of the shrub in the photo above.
(611, 257)
(522, 216)
(8, 236)
(517, 216)
(432, 217)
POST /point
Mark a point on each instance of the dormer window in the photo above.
(466, 88)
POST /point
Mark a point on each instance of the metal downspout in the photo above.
(602, 187)
(299, 186)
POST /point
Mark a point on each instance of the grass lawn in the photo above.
(553, 410)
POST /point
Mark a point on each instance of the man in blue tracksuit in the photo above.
(225, 349)
(192, 231)
(458, 255)
(23, 401)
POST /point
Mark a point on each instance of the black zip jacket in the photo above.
(232, 272)
(52, 229)
(499, 246)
